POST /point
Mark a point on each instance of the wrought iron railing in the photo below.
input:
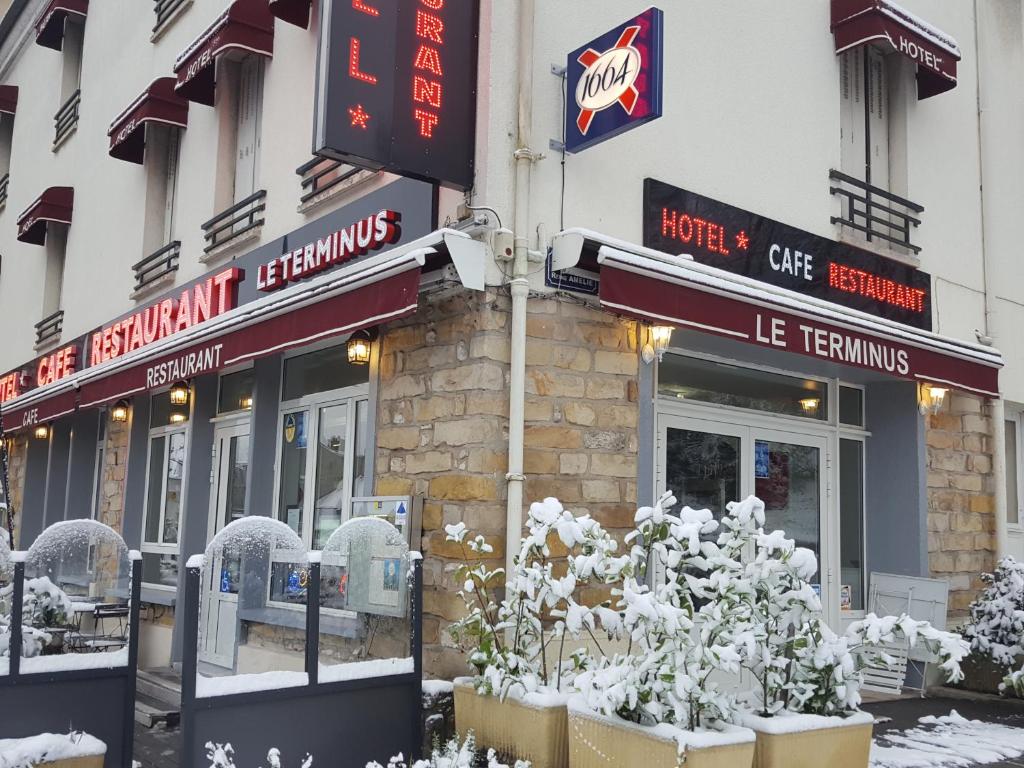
(156, 265)
(67, 117)
(321, 174)
(165, 10)
(240, 218)
(878, 214)
(50, 327)
(4, 184)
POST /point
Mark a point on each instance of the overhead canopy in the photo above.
(50, 26)
(245, 27)
(863, 22)
(677, 292)
(158, 104)
(8, 99)
(55, 204)
(41, 412)
(293, 11)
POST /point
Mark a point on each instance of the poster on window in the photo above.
(773, 487)
(386, 580)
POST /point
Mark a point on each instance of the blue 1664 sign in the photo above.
(615, 82)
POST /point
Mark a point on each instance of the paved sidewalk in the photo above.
(157, 747)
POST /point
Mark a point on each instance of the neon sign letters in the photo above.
(397, 86)
(10, 385)
(56, 366)
(730, 238)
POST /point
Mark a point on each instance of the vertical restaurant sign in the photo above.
(614, 82)
(723, 236)
(396, 87)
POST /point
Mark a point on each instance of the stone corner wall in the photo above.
(17, 459)
(961, 500)
(115, 463)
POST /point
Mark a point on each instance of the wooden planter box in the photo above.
(809, 741)
(518, 730)
(596, 741)
(94, 761)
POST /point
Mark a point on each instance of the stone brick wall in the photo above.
(961, 504)
(115, 463)
(18, 453)
(443, 428)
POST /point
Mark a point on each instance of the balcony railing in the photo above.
(243, 216)
(165, 10)
(67, 117)
(321, 174)
(878, 214)
(156, 265)
(49, 328)
(4, 183)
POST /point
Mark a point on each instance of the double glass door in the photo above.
(707, 464)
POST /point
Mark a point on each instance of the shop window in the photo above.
(708, 381)
(851, 525)
(1013, 471)
(235, 392)
(851, 406)
(321, 371)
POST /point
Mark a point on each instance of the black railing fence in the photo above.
(878, 214)
(157, 264)
(243, 216)
(67, 117)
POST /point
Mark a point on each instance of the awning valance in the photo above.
(293, 11)
(677, 292)
(8, 99)
(158, 104)
(40, 412)
(55, 204)
(245, 27)
(50, 26)
(861, 22)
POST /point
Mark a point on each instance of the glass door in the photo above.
(702, 463)
(229, 479)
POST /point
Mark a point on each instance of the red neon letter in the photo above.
(427, 121)
(428, 59)
(429, 27)
(434, 5)
(426, 91)
(353, 64)
(369, 10)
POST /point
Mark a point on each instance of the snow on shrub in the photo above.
(996, 627)
(453, 755)
(223, 756)
(509, 641)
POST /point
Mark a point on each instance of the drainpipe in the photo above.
(520, 286)
(998, 409)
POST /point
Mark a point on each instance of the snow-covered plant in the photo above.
(511, 639)
(32, 640)
(223, 756)
(996, 627)
(453, 755)
(678, 639)
(44, 604)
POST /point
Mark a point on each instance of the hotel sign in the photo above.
(723, 236)
(396, 87)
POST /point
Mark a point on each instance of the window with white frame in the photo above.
(322, 454)
(97, 478)
(165, 481)
(1014, 470)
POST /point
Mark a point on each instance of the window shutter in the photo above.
(173, 150)
(250, 108)
(851, 74)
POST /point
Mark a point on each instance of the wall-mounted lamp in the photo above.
(245, 402)
(359, 347)
(179, 393)
(932, 397)
(42, 432)
(658, 338)
(810, 406)
(119, 413)
(177, 417)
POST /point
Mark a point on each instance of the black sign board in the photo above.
(396, 87)
(729, 238)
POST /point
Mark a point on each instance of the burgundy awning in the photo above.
(688, 296)
(245, 27)
(8, 99)
(293, 11)
(372, 303)
(55, 204)
(50, 27)
(40, 412)
(861, 22)
(157, 104)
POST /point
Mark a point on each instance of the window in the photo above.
(851, 406)
(165, 477)
(235, 392)
(1013, 471)
(851, 524)
(48, 329)
(6, 142)
(247, 131)
(97, 479)
(66, 119)
(865, 115)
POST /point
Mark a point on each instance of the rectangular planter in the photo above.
(94, 761)
(518, 729)
(813, 742)
(598, 742)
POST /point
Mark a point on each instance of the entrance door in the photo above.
(707, 464)
(227, 503)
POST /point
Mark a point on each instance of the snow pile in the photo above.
(453, 755)
(223, 756)
(947, 742)
(996, 627)
(48, 747)
(207, 687)
(74, 661)
(360, 670)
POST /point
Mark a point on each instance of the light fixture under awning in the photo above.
(293, 11)
(54, 205)
(686, 295)
(50, 26)
(245, 27)
(863, 22)
(8, 99)
(158, 104)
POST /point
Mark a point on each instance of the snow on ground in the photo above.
(947, 742)
(16, 753)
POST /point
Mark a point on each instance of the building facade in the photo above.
(714, 251)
